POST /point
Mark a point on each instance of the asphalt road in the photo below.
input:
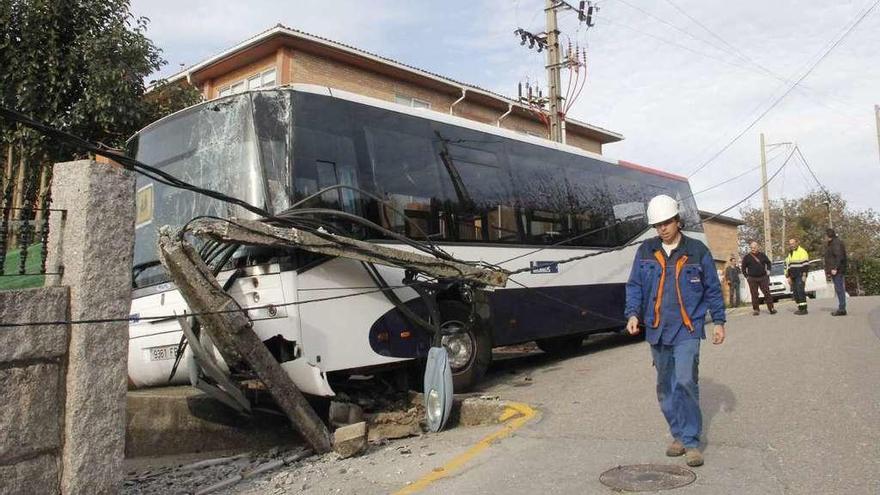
(791, 405)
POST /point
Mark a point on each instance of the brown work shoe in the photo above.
(675, 449)
(693, 457)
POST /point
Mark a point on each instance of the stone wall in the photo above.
(31, 385)
(62, 417)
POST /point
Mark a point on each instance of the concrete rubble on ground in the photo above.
(350, 440)
(210, 475)
(376, 439)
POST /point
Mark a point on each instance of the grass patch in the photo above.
(32, 265)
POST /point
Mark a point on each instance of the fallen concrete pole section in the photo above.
(233, 335)
(253, 232)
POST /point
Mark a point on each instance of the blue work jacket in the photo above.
(697, 288)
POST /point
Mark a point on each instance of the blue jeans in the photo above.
(840, 290)
(678, 389)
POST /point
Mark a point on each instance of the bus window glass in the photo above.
(592, 210)
(272, 122)
(406, 172)
(211, 146)
(475, 169)
(542, 191)
(322, 160)
(627, 204)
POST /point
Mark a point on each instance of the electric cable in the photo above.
(756, 64)
(161, 176)
(810, 169)
(776, 101)
(173, 316)
(727, 181)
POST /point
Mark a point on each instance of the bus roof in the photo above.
(661, 173)
(437, 116)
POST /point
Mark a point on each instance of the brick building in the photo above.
(282, 56)
(722, 234)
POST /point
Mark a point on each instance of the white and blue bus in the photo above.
(480, 192)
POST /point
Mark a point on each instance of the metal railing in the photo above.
(24, 245)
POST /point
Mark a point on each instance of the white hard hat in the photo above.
(661, 208)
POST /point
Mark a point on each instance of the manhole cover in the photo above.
(647, 477)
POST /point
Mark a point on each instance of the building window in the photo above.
(411, 102)
(268, 78)
(265, 79)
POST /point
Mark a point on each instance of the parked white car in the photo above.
(780, 287)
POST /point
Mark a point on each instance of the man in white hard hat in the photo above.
(672, 283)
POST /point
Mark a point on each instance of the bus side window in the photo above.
(484, 207)
(321, 160)
(542, 192)
(628, 207)
(406, 172)
(591, 205)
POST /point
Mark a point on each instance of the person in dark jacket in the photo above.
(756, 268)
(673, 282)
(835, 267)
(731, 276)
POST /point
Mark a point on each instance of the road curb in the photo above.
(511, 415)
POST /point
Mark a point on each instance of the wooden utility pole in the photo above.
(234, 337)
(768, 245)
(554, 65)
(877, 118)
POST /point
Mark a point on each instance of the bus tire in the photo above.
(562, 345)
(470, 352)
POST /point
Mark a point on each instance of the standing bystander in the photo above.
(731, 275)
(756, 268)
(672, 284)
(835, 267)
(797, 265)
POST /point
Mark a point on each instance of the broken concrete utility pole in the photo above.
(232, 333)
(241, 231)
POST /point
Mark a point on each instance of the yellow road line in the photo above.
(514, 417)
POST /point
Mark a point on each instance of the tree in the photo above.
(79, 66)
(165, 98)
(806, 219)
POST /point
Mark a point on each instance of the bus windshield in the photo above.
(216, 146)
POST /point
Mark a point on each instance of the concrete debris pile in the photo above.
(362, 415)
(211, 475)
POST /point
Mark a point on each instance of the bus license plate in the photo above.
(163, 353)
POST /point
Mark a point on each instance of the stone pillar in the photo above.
(94, 245)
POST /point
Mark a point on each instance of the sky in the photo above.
(680, 79)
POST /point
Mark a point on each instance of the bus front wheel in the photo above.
(469, 347)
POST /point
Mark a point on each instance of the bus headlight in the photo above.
(438, 389)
